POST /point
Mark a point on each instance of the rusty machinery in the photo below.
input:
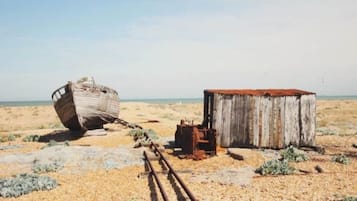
(195, 141)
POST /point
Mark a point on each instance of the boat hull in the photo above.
(86, 106)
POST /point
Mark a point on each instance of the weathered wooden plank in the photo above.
(217, 117)
(264, 121)
(272, 122)
(246, 120)
(226, 121)
(251, 121)
(266, 116)
(291, 122)
(256, 121)
(240, 119)
(234, 122)
(281, 142)
(279, 137)
(307, 112)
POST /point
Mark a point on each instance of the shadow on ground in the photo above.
(61, 136)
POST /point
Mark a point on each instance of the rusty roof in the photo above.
(259, 92)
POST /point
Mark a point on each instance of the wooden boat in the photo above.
(85, 105)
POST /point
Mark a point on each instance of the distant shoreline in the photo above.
(156, 101)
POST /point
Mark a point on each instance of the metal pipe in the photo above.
(163, 193)
(171, 170)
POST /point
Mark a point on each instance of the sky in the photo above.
(178, 48)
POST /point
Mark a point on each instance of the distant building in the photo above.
(270, 118)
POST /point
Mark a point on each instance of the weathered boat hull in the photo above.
(85, 105)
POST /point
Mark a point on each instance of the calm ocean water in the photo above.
(158, 101)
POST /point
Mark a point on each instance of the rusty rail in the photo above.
(161, 157)
(153, 172)
(172, 171)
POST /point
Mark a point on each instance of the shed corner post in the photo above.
(207, 109)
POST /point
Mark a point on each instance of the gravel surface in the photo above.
(229, 176)
(77, 158)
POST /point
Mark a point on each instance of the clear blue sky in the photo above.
(171, 49)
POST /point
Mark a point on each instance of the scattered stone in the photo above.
(319, 169)
(234, 153)
(318, 149)
(95, 132)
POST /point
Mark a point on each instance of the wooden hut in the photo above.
(270, 118)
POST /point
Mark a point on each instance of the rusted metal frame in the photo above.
(211, 102)
(208, 102)
(172, 171)
(205, 109)
(158, 182)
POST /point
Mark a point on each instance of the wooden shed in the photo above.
(270, 118)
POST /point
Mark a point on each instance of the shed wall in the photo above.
(264, 121)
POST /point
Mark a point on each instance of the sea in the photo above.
(153, 101)
(157, 101)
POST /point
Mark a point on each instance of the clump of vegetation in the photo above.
(52, 143)
(41, 126)
(275, 167)
(10, 137)
(293, 154)
(143, 137)
(350, 198)
(7, 147)
(326, 131)
(341, 159)
(44, 168)
(25, 183)
(31, 138)
(55, 125)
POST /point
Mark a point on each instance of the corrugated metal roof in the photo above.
(259, 92)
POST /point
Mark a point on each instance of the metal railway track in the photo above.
(167, 166)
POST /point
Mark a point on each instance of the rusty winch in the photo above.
(195, 141)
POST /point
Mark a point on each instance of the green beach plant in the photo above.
(275, 167)
(10, 137)
(25, 183)
(143, 137)
(31, 138)
(49, 167)
(52, 143)
(293, 154)
(341, 159)
(350, 198)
